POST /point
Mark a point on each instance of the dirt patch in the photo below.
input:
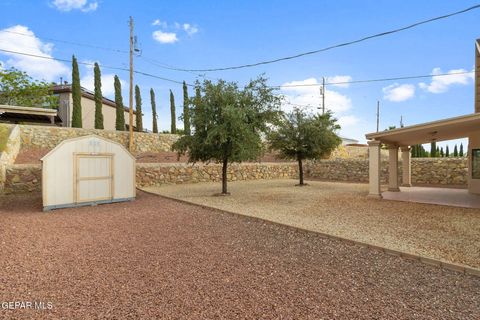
(342, 209)
(156, 258)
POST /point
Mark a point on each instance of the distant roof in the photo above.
(19, 114)
(348, 139)
(28, 110)
(67, 88)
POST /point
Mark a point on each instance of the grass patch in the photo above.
(3, 137)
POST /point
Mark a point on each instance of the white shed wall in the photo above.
(58, 169)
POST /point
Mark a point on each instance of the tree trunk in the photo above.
(224, 176)
(300, 171)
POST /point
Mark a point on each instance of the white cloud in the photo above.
(441, 84)
(398, 92)
(165, 37)
(69, 5)
(339, 81)
(38, 68)
(336, 102)
(169, 32)
(87, 80)
(108, 89)
(347, 121)
(191, 30)
(158, 22)
(310, 96)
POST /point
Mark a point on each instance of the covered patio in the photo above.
(402, 139)
(467, 126)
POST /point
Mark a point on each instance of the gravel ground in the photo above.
(157, 258)
(342, 209)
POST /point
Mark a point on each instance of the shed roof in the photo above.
(445, 129)
(86, 137)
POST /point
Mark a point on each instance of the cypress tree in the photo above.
(433, 149)
(424, 152)
(120, 119)
(447, 152)
(442, 154)
(173, 126)
(76, 95)
(460, 153)
(437, 152)
(455, 151)
(186, 111)
(154, 111)
(98, 97)
(138, 109)
(413, 151)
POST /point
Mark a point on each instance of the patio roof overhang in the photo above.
(446, 129)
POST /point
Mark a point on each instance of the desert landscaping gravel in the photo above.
(342, 209)
(156, 258)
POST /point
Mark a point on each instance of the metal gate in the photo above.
(93, 180)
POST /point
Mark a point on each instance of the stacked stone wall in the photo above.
(27, 178)
(50, 137)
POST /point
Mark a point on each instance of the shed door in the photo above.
(93, 177)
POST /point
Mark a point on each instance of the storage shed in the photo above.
(87, 170)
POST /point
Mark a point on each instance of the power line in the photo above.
(372, 80)
(381, 34)
(277, 86)
(93, 46)
(88, 45)
(91, 64)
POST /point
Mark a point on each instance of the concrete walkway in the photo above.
(441, 196)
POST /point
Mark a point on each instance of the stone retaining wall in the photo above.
(149, 174)
(23, 178)
(440, 171)
(434, 171)
(9, 154)
(50, 137)
(27, 178)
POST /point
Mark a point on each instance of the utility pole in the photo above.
(130, 98)
(323, 95)
(378, 114)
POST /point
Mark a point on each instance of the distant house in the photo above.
(347, 141)
(28, 115)
(64, 93)
(62, 116)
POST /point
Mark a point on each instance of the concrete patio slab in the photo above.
(441, 196)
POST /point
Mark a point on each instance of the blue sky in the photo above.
(205, 34)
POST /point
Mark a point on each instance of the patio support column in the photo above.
(406, 167)
(374, 169)
(393, 168)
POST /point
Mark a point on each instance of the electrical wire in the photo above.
(170, 67)
(277, 86)
(93, 46)
(91, 64)
(372, 80)
(344, 44)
